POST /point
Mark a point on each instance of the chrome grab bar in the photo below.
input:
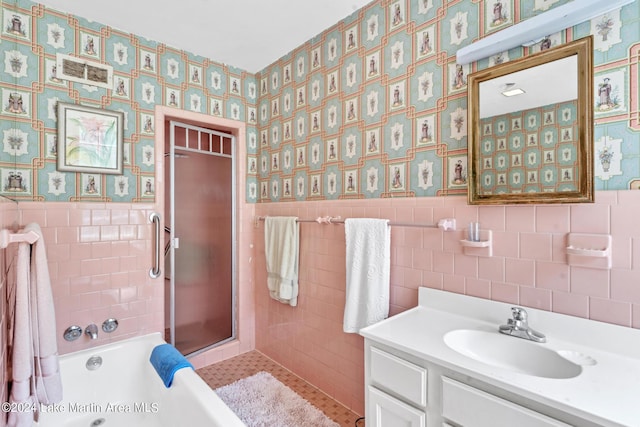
(154, 272)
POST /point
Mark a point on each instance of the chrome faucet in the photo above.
(518, 326)
(92, 331)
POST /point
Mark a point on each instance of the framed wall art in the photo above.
(81, 70)
(90, 139)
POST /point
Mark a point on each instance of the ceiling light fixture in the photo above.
(537, 27)
(513, 92)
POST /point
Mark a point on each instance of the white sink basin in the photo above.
(511, 353)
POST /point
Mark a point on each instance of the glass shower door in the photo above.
(202, 228)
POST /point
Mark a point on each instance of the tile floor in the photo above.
(247, 364)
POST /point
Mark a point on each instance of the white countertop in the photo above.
(607, 392)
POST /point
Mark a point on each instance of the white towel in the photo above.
(281, 243)
(368, 272)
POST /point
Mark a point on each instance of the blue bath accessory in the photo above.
(167, 360)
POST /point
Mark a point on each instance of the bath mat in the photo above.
(262, 401)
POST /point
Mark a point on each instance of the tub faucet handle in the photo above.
(92, 331)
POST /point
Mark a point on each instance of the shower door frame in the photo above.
(172, 233)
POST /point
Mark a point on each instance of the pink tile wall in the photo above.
(528, 268)
(99, 259)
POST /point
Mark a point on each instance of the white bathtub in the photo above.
(126, 391)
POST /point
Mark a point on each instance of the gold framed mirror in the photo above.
(531, 128)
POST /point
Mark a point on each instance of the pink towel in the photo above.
(43, 320)
(35, 369)
(22, 354)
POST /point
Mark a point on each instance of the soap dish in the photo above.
(596, 253)
(578, 358)
(589, 250)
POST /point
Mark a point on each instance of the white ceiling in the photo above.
(248, 34)
(541, 86)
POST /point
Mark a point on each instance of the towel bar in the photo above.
(7, 237)
(444, 224)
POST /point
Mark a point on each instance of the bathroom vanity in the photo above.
(444, 363)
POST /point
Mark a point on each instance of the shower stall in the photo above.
(200, 277)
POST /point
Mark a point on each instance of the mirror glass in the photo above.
(531, 129)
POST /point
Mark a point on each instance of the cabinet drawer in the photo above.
(386, 411)
(399, 376)
(470, 407)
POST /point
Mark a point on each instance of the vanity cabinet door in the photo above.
(469, 407)
(387, 411)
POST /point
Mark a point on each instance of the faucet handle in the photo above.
(519, 313)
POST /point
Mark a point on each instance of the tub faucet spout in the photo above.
(92, 331)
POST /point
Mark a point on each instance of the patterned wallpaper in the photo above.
(532, 150)
(376, 105)
(146, 74)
